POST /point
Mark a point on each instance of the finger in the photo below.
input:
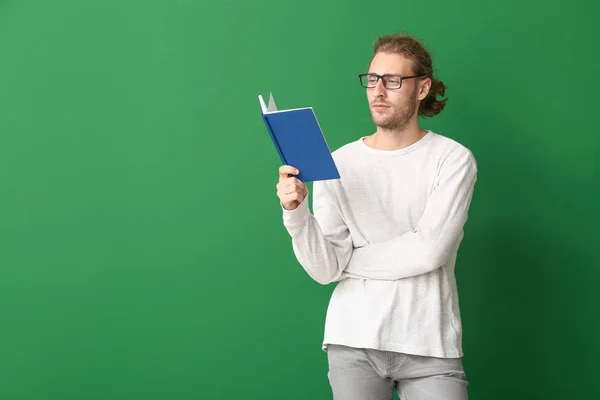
(283, 191)
(286, 170)
(293, 181)
(298, 183)
(292, 186)
(288, 186)
(294, 196)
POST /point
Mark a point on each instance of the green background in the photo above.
(142, 254)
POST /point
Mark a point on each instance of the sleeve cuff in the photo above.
(296, 216)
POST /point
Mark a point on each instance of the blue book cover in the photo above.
(299, 140)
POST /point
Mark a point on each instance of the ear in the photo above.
(424, 88)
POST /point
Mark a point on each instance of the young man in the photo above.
(388, 231)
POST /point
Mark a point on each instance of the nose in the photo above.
(379, 89)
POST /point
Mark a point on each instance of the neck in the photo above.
(396, 139)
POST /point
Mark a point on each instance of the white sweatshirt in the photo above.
(388, 231)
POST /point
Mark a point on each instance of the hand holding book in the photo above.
(290, 190)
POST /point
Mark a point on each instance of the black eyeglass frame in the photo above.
(401, 77)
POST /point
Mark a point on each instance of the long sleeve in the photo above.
(436, 236)
(321, 242)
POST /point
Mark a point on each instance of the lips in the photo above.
(380, 106)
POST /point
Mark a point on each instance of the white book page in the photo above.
(272, 107)
(263, 106)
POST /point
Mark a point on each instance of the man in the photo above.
(388, 231)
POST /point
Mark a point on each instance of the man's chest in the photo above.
(380, 200)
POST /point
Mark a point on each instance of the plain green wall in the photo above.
(142, 254)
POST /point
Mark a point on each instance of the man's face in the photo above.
(393, 109)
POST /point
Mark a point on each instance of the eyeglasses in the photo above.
(390, 81)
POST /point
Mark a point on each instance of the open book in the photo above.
(299, 141)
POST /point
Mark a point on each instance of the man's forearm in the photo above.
(408, 255)
(323, 257)
(435, 238)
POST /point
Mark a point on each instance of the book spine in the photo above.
(281, 156)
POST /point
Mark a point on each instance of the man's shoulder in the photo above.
(443, 145)
(347, 151)
(450, 147)
(347, 148)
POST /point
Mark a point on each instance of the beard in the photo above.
(395, 117)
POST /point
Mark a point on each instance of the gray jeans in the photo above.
(366, 374)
